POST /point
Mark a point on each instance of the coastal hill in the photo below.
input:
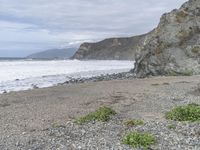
(108, 49)
(172, 48)
(54, 54)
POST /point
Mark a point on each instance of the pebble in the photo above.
(108, 136)
(107, 77)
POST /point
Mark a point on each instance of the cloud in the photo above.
(30, 25)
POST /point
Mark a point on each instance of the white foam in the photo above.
(21, 75)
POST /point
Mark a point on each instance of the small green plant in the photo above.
(56, 125)
(102, 114)
(139, 140)
(133, 122)
(171, 126)
(172, 73)
(165, 83)
(190, 112)
(185, 72)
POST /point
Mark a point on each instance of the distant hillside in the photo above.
(54, 54)
(110, 49)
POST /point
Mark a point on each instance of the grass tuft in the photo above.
(133, 122)
(190, 112)
(102, 114)
(139, 140)
(171, 126)
(56, 125)
(185, 72)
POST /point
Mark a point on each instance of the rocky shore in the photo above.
(171, 48)
(43, 119)
(107, 77)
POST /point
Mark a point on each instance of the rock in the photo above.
(198, 87)
(34, 86)
(173, 48)
(107, 77)
(17, 144)
(110, 49)
(4, 92)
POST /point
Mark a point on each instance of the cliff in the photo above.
(173, 48)
(110, 49)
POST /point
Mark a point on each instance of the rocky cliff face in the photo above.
(110, 49)
(173, 48)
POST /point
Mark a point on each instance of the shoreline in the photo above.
(44, 117)
(74, 80)
(106, 77)
(44, 74)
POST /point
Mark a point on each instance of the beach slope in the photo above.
(43, 118)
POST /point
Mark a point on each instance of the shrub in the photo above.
(139, 140)
(56, 125)
(155, 84)
(172, 73)
(133, 122)
(102, 114)
(185, 72)
(190, 112)
(171, 126)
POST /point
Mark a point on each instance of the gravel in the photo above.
(27, 117)
(107, 136)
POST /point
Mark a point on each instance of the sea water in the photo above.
(16, 75)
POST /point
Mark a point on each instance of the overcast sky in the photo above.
(28, 26)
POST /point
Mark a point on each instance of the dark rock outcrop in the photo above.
(110, 49)
(173, 48)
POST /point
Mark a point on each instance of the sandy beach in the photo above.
(29, 114)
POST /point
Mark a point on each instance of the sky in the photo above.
(28, 26)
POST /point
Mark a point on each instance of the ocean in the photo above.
(19, 74)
